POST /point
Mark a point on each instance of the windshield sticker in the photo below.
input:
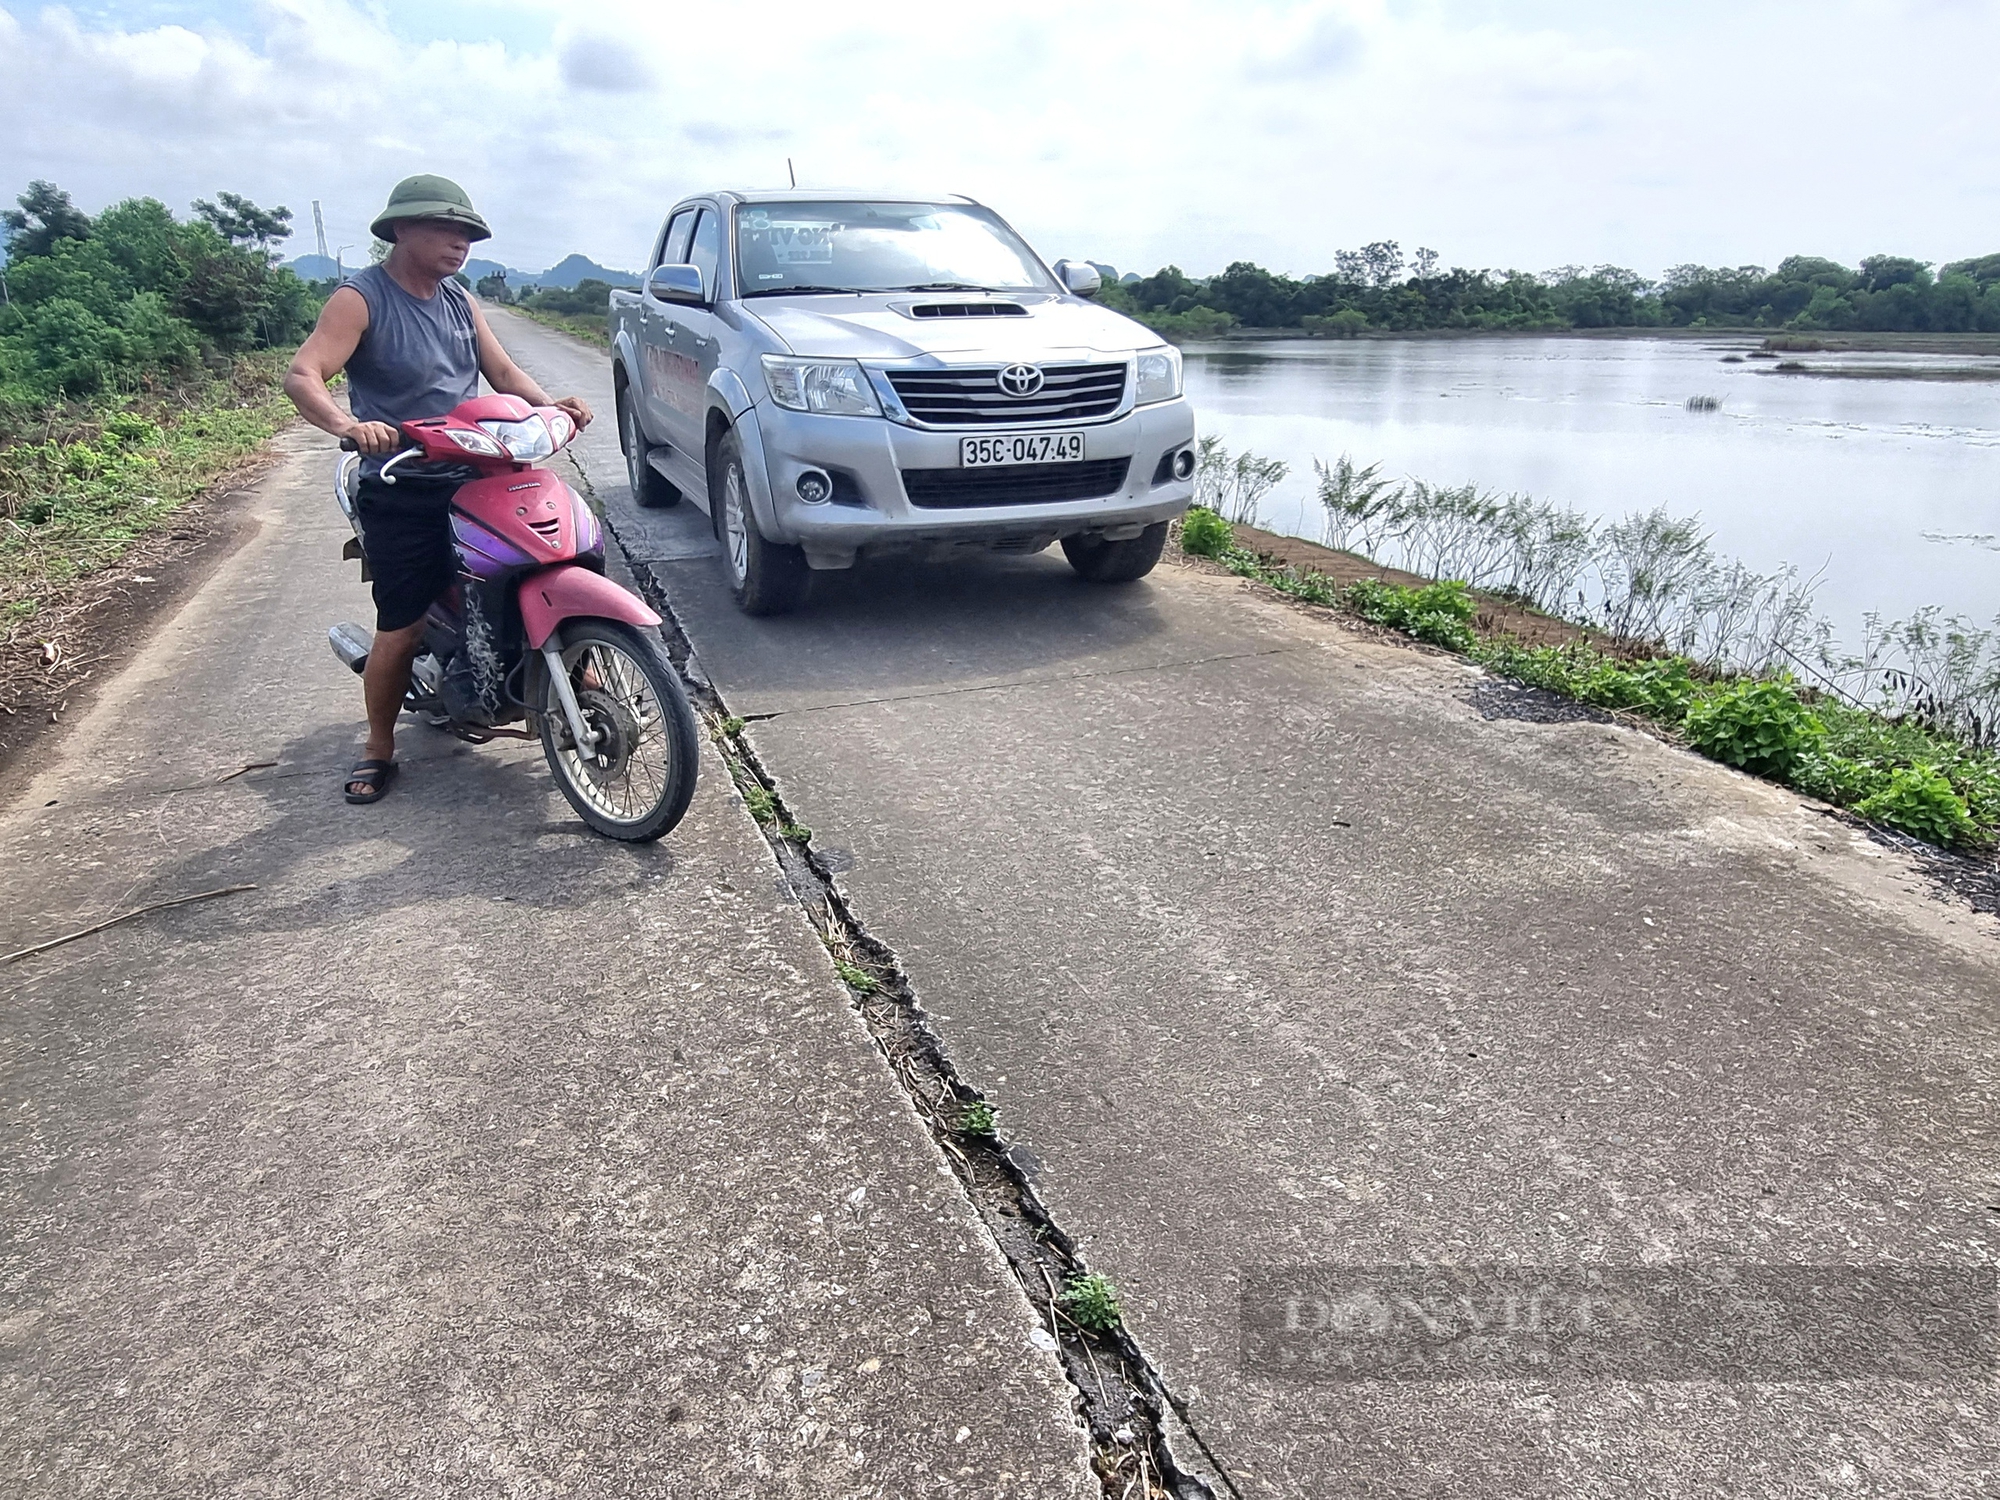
(802, 244)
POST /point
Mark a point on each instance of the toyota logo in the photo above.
(1020, 380)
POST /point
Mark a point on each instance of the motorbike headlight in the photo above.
(473, 442)
(1159, 375)
(523, 440)
(833, 387)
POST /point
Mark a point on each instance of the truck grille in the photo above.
(971, 396)
(1015, 484)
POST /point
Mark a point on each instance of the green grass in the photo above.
(858, 979)
(1896, 772)
(77, 494)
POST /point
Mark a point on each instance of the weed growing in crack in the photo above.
(1090, 1302)
(731, 727)
(798, 833)
(763, 806)
(857, 979)
(977, 1121)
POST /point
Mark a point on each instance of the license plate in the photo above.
(1020, 448)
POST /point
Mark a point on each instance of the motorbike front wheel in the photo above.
(636, 781)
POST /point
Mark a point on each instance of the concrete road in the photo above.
(1277, 951)
(469, 1154)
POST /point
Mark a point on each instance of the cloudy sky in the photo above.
(1528, 133)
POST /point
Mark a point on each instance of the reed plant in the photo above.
(1905, 728)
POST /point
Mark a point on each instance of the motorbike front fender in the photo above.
(569, 591)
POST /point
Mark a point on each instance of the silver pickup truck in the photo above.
(834, 375)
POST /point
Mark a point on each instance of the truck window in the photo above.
(705, 251)
(675, 246)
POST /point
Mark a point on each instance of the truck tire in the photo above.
(650, 487)
(766, 578)
(1116, 562)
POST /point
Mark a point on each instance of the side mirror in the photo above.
(676, 284)
(1080, 279)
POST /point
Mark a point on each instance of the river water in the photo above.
(1891, 486)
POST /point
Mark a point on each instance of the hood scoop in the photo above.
(961, 309)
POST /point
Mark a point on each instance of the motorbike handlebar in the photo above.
(348, 445)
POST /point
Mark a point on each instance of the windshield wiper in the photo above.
(786, 291)
(941, 286)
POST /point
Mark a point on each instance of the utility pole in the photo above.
(319, 229)
(339, 270)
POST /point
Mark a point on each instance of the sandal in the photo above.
(372, 774)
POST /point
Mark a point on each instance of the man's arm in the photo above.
(509, 379)
(325, 354)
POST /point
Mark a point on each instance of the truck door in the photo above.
(656, 333)
(691, 342)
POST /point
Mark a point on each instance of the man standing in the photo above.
(413, 343)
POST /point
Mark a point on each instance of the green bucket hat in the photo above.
(429, 197)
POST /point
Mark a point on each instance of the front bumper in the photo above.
(871, 512)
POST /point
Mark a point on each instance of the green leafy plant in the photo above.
(1663, 687)
(1205, 534)
(858, 979)
(763, 806)
(1439, 614)
(1919, 801)
(1759, 726)
(1090, 1302)
(977, 1120)
(1837, 778)
(731, 727)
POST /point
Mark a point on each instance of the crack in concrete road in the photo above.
(1129, 1430)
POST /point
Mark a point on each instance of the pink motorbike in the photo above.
(532, 633)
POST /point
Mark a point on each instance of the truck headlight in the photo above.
(1159, 375)
(834, 387)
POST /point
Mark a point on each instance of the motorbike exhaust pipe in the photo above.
(351, 644)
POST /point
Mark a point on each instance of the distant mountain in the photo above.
(572, 269)
(565, 274)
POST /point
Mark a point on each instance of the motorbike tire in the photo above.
(765, 577)
(629, 690)
(1116, 562)
(650, 488)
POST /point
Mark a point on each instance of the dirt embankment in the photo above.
(52, 666)
(1497, 616)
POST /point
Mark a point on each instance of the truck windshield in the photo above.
(879, 247)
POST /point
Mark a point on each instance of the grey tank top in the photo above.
(418, 358)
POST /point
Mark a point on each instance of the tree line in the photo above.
(135, 297)
(1375, 289)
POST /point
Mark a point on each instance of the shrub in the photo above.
(1663, 687)
(1205, 534)
(1757, 726)
(1837, 778)
(1919, 801)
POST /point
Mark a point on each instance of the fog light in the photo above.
(1184, 464)
(814, 487)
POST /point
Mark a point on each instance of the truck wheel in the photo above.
(766, 577)
(650, 487)
(1116, 562)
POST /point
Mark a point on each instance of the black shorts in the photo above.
(406, 536)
